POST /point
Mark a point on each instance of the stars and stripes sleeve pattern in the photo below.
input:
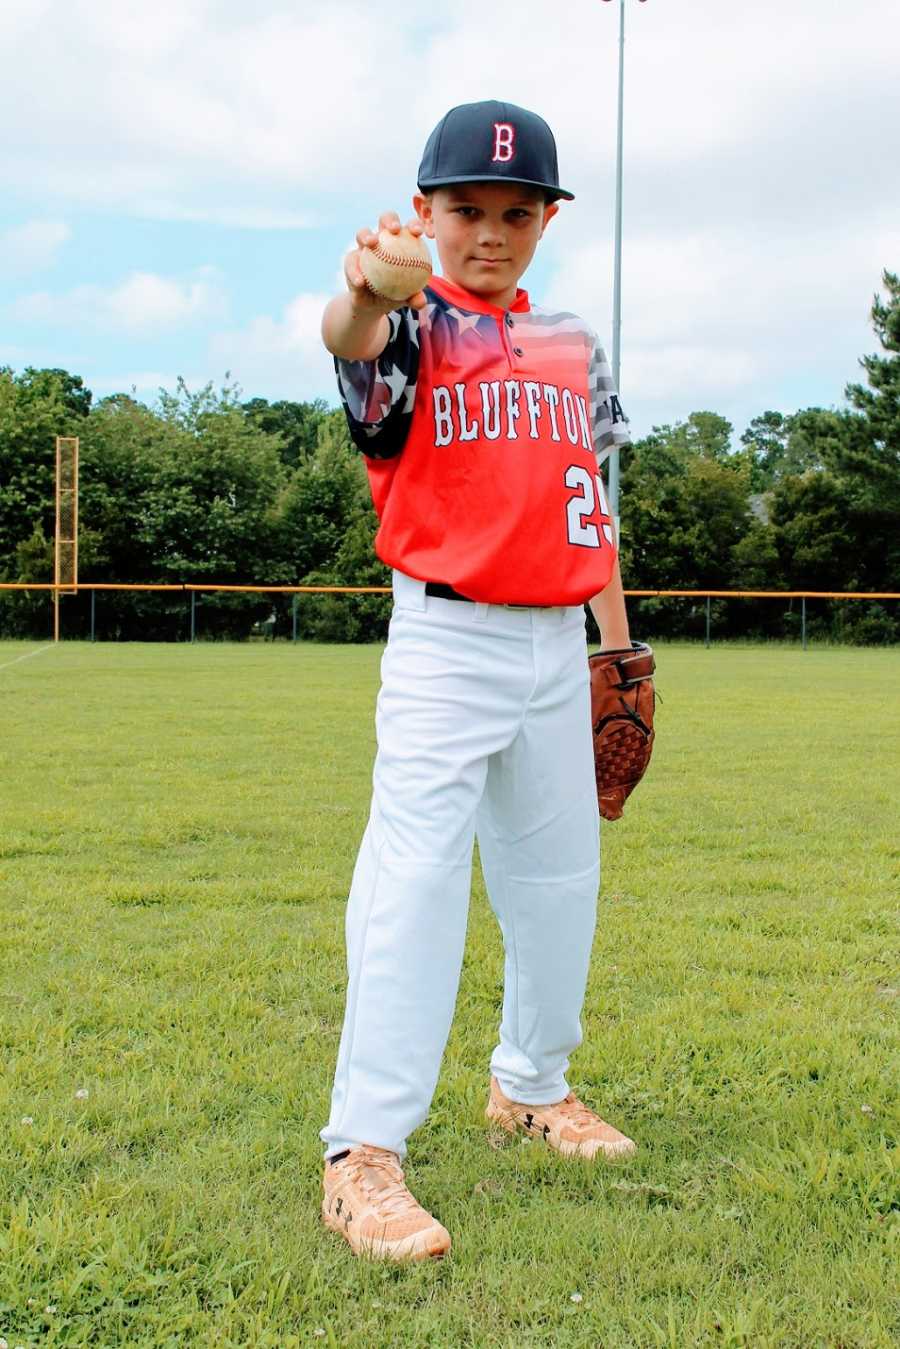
(379, 396)
(609, 423)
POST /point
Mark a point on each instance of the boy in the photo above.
(481, 420)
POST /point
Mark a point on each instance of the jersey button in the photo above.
(509, 321)
(517, 351)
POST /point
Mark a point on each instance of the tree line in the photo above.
(204, 486)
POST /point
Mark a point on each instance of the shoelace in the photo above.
(576, 1111)
(392, 1199)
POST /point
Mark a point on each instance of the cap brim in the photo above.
(428, 185)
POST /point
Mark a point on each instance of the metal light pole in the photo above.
(617, 275)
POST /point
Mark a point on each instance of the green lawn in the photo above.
(178, 826)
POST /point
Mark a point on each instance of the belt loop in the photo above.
(481, 613)
(408, 592)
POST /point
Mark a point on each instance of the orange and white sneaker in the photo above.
(568, 1126)
(367, 1202)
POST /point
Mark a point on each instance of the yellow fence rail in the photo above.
(186, 586)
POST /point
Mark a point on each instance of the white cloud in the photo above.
(146, 382)
(202, 100)
(14, 356)
(727, 281)
(31, 247)
(208, 96)
(281, 357)
(722, 318)
(710, 373)
(233, 217)
(760, 197)
(142, 304)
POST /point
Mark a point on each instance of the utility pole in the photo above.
(617, 273)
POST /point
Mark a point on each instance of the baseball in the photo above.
(399, 266)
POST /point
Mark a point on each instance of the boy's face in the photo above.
(486, 234)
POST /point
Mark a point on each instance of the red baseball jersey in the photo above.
(483, 431)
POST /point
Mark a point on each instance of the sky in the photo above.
(179, 182)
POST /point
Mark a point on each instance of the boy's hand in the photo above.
(363, 299)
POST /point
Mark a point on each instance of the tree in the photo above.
(209, 511)
(879, 405)
(780, 445)
(297, 425)
(349, 618)
(816, 437)
(58, 384)
(321, 499)
(765, 440)
(35, 408)
(121, 446)
(684, 506)
(703, 435)
(870, 454)
(813, 533)
(181, 492)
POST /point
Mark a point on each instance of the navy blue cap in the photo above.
(491, 142)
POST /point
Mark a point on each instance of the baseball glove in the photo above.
(622, 704)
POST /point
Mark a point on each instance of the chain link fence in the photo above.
(188, 612)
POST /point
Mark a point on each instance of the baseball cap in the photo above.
(491, 142)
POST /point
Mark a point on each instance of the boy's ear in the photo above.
(422, 206)
(550, 210)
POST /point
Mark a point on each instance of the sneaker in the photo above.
(568, 1126)
(367, 1202)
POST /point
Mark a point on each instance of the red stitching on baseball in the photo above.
(396, 260)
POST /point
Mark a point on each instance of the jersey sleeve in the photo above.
(379, 396)
(608, 422)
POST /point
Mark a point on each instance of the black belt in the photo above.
(444, 592)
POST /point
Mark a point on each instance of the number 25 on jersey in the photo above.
(589, 491)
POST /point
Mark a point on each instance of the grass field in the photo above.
(178, 829)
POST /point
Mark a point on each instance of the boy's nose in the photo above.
(491, 234)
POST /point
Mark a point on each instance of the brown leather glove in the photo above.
(622, 704)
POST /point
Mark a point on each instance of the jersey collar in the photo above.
(474, 303)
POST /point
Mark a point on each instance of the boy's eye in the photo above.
(467, 211)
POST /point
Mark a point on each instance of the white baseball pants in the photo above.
(483, 726)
